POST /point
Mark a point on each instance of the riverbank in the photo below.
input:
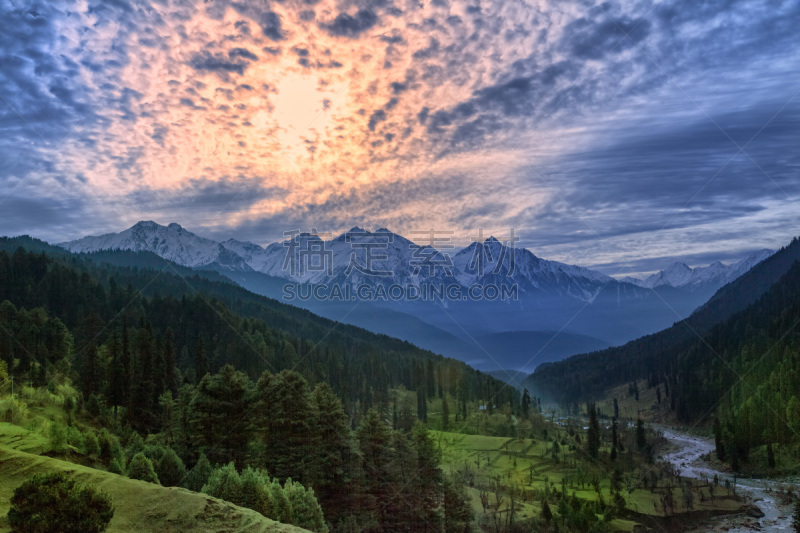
(768, 502)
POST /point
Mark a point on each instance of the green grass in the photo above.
(138, 506)
(528, 465)
(18, 438)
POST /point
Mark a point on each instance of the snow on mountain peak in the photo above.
(170, 242)
(716, 274)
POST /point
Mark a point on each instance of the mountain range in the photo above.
(559, 309)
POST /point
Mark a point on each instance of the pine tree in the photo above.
(284, 417)
(373, 438)
(220, 415)
(526, 404)
(335, 469)
(170, 368)
(200, 361)
(547, 514)
(593, 434)
(641, 437)
(198, 476)
(458, 514)
(445, 414)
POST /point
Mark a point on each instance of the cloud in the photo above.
(589, 40)
(345, 25)
(216, 63)
(597, 126)
(271, 25)
(242, 53)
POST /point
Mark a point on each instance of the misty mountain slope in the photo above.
(589, 375)
(524, 350)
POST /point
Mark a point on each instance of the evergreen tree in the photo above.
(170, 366)
(547, 514)
(141, 467)
(445, 414)
(718, 442)
(335, 468)
(226, 484)
(427, 480)
(170, 470)
(284, 417)
(593, 434)
(256, 493)
(641, 436)
(614, 439)
(220, 415)
(526, 404)
(373, 437)
(200, 360)
(458, 514)
(199, 475)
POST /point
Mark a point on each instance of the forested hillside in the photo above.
(588, 376)
(214, 374)
(742, 373)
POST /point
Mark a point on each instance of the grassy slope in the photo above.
(139, 506)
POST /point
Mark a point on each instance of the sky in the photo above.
(613, 135)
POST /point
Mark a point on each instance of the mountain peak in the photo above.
(175, 226)
(146, 224)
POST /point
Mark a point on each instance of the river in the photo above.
(777, 517)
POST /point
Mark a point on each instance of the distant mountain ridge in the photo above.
(587, 309)
(479, 263)
(680, 275)
(171, 242)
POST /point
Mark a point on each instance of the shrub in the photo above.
(54, 503)
(306, 512)
(14, 411)
(256, 491)
(93, 406)
(115, 467)
(170, 468)
(141, 467)
(199, 475)
(58, 437)
(225, 483)
(74, 437)
(91, 446)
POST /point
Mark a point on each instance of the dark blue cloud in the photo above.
(270, 23)
(216, 63)
(242, 53)
(228, 194)
(345, 25)
(377, 116)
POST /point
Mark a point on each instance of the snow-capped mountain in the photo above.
(494, 262)
(383, 258)
(170, 242)
(716, 274)
(358, 256)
